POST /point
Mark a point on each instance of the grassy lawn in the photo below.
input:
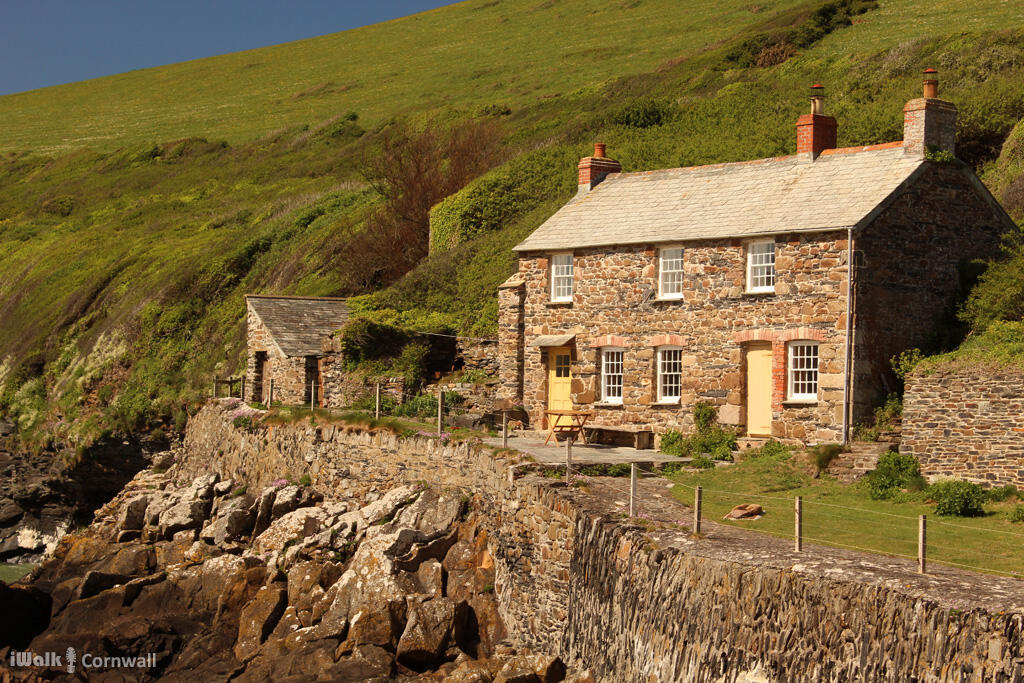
(10, 573)
(845, 516)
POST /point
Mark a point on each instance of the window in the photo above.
(561, 277)
(670, 374)
(761, 267)
(802, 371)
(562, 363)
(670, 274)
(611, 375)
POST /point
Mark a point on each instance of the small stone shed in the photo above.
(288, 344)
(966, 422)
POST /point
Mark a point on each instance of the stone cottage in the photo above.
(732, 283)
(289, 343)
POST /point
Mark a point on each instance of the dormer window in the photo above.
(761, 266)
(561, 277)
(670, 273)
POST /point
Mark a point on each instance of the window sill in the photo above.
(601, 404)
(800, 402)
(558, 304)
(668, 299)
(675, 402)
(758, 292)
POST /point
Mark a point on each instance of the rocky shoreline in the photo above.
(221, 583)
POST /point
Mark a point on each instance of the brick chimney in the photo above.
(815, 132)
(594, 169)
(928, 122)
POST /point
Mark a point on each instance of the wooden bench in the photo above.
(643, 437)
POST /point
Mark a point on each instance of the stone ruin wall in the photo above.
(600, 593)
(966, 423)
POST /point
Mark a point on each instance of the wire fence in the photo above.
(922, 538)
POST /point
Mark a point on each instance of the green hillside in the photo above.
(137, 210)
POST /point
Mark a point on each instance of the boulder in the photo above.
(186, 515)
(431, 577)
(258, 619)
(432, 512)
(384, 508)
(428, 630)
(518, 670)
(745, 511)
(10, 512)
(97, 582)
(28, 613)
(133, 514)
(289, 529)
(549, 669)
(234, 521)
(376, 625)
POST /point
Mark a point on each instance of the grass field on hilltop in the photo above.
(474, 53)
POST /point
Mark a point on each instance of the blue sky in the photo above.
(47, 42)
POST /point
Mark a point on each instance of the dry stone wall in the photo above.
(638, 606)
(966, 423)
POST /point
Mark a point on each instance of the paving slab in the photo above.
(586, 454)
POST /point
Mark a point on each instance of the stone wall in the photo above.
(478, 354)
(966, 423)
(614, 298)
(637, 605)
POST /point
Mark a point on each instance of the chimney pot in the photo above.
(817, 99)
(599, 150)
(931, 83)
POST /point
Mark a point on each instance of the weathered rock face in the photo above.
(330, 590)
(42, 495)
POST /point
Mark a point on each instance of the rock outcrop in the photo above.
(216, 584)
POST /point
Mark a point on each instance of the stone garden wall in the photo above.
(637, 605)
(966, 423)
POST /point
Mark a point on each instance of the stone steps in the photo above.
(861, 459)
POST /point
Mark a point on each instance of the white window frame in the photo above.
(561, 273)
(802, 371)
(612, 368)
(665, 356)
(761, 258)
(670, 264)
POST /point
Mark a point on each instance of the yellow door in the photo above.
(559, 381)
(759, 389)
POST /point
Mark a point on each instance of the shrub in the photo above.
(958, 498)
(894, 472)
(709, 438)
(702, 463)
(824, 454)
(644, 113)
(771, 449)
(1001, 493)
(1017, 514)
(305, 480)
(369, 403)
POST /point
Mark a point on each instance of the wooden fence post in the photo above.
(241, 388)
(798, 531)
(270, 395)
(376, 404)
(568, 459)
(922, 536)
(698, 496)
(312, 396)
(215, 386)
(440, 409)
(504, 429)
(632, 489)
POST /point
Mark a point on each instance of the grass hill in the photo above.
(136, 210)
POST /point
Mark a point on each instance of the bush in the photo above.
(369, 403)
(958, 498)
(424, 405)
(894, 472)
(771, 449)
(824, 454)
(644, 113)
(1001, 493)
(1017, 514)
(709, 438)
(703, 463)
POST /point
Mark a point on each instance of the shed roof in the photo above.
(297, 323)
(840, 189)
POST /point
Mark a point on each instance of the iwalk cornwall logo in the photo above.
(69, 661)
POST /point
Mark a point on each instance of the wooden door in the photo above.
(559, 381)
(759, 389)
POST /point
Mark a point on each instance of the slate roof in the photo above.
(297, 323)
(839, 189)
